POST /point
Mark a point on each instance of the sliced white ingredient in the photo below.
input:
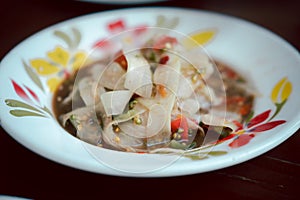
(114, 102)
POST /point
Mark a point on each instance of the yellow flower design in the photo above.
(56, 61)
(53, 83)
(78, 60)
(59, 56)
(281, 91)
(44, 67)
(199, 38)
(280, 94)
(57, 65)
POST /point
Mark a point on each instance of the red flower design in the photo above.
(31, 106)
(140, 29)
(267, 126)
(245, 132)
(115, 27)
(32, 93)
(104, 43)
(259, 119)
(24, 93)
(20, 92)
(241, 140)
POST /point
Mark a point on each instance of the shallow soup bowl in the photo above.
(31, 72)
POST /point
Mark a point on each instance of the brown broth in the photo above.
(60, 94)
(62, 91)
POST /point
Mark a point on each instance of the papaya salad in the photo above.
(158, 96)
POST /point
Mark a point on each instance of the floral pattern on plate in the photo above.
(60, 62)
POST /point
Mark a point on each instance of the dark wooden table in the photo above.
(273, 175)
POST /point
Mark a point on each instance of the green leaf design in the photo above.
(217, 153)
(173, 23)
(34, 77)
(64, 37)
(19, 104)
(24, 113)
(162, 21)
(77, 37)
(72, 43)
(278, 109)
(248, 117)
(47, 110)
(197, 157)
(203, 155)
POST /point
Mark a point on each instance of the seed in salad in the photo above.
(116, 129)
(132, 104)
(195, 78)
(137, 120)
(117, 139)
(180, 130)
(176, 136)
(59, 98)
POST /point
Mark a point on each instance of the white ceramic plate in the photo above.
(6, 197)
(264, 58)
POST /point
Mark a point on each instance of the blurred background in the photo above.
(19, 17)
